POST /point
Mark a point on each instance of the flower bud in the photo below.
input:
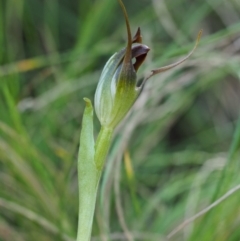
(117, 88)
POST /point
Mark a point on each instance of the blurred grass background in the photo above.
(175, 153)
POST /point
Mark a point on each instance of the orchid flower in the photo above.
(118, 88)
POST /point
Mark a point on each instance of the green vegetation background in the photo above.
(175, 153)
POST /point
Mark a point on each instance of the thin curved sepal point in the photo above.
(128, 55)
(168, 67)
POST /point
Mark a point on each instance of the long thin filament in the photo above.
(165, 68)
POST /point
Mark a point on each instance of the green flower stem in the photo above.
(102, 147)
(91, 160)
